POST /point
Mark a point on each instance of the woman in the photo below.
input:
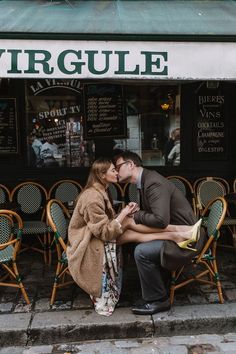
(94, 261)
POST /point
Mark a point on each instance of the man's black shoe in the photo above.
(149, 308)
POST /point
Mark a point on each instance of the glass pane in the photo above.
(55, 124)
(153, 120)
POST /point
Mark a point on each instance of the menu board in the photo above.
(8, 126)
(210, 128)
(104, 111)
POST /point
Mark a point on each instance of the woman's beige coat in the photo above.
(91, 224)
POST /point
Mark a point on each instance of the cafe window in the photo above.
(68, 119)
(153, 122)
(55, 124)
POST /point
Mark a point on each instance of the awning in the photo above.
(118, 39)
(112, 19)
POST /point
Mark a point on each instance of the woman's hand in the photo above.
(128, 210)
(134, 207)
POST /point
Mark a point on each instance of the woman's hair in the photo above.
(98, 168)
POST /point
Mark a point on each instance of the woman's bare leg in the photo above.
(129, 223)
(133, 236)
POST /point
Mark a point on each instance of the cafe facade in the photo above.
(71, 90)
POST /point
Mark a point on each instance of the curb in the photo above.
(78, 325)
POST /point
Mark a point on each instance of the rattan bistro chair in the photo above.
(66, 190)
(131, 193)
(9, 247)
(186, 188)
(4, 194)
(208, 188)
(117, 195)
(203, 268)
(32, 199)
(58, 216)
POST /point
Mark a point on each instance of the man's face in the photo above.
(124, 169)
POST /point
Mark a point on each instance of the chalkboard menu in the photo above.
(210, 130)
(8, 126)
(104, 111)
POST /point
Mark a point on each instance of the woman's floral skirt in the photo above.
(111, 280)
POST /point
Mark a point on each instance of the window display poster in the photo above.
(8, 126)
(104, 111)
(210, 128)
(55, 121)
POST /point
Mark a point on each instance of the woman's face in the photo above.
(111, 175)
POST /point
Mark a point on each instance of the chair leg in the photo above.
(45, 248)
(54, 289)
(172, 287)
(50, 243)
(21, 286)
(217, 282)
(234, 236)
(15, 276)
(55, 284)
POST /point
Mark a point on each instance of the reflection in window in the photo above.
(55, 115)
(55, 124)
(153, 119)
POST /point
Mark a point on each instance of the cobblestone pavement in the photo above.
(200, 344)
(38, 279)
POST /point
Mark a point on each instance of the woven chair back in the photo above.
(216, 216)
(208, 189)
(31, 197)
(59, 220)
(4, 194)
(179, 184)
(131, 193)
(6, 225)
(66, 191)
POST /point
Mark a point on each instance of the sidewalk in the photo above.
(194, 344)
(72, 318)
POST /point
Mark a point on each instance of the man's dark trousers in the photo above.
(155, 280)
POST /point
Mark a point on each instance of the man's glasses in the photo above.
(120, 164)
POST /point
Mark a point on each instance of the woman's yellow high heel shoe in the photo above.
(195, 237)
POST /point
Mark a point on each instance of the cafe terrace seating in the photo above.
(208, 188)
(58, 216)
(131, 193)
(186, 188)
(9, 248)
(32, 198)
(117, 195)
(65, 190)
(203, 268)
(4, 194)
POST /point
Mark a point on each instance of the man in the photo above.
(161, 204)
